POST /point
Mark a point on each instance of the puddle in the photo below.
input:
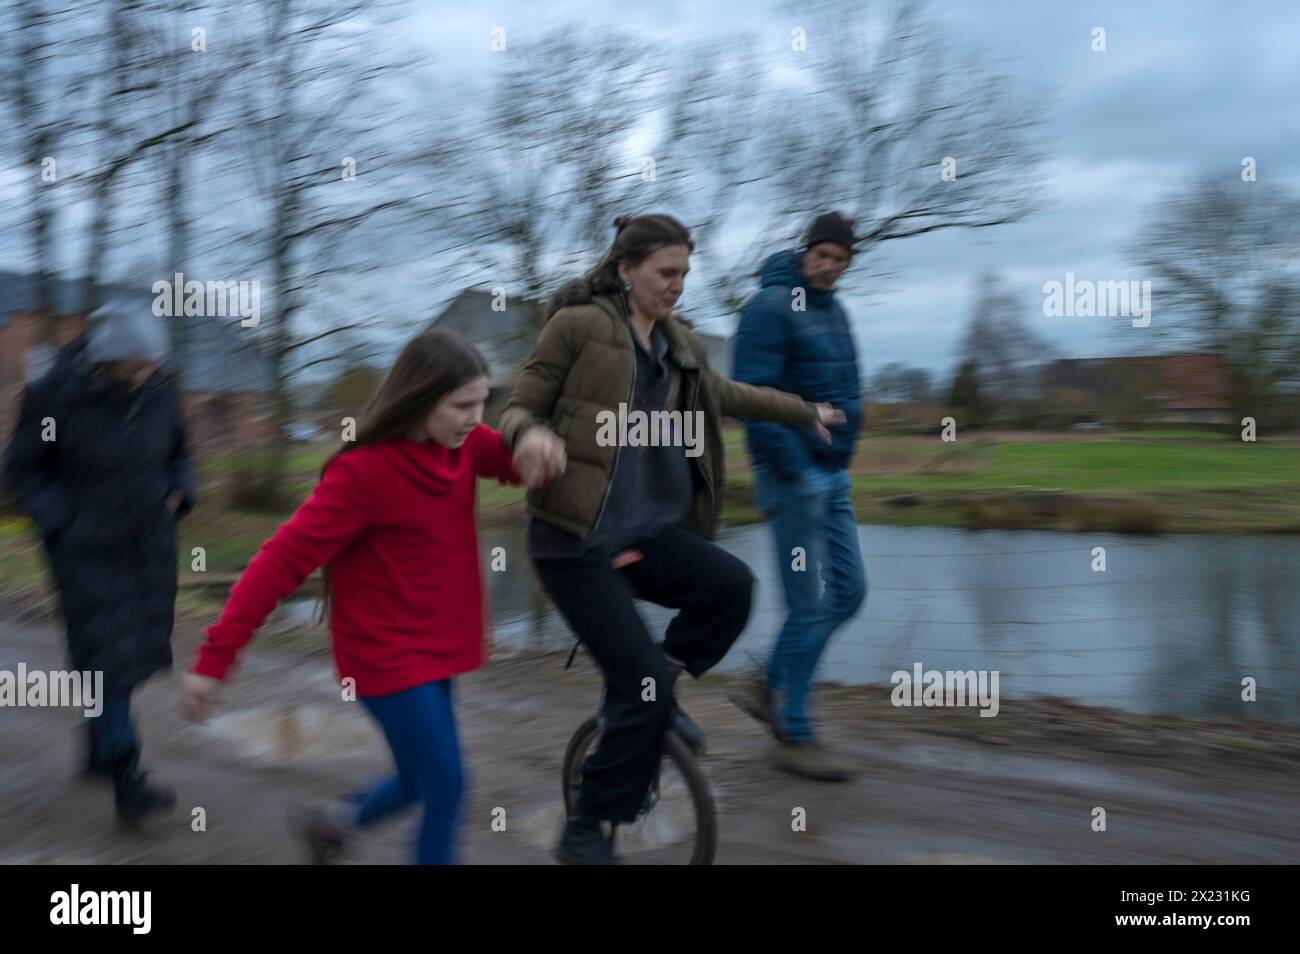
(541, 828)
(285, 734)
(672, 823)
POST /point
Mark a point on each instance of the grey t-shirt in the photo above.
(652, 488)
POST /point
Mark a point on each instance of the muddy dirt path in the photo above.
(936, 785)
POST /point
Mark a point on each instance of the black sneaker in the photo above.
(136, 799)
(584, 843)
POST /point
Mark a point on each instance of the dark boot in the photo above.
(811, 760)
(94, 768)
(135, 798)
(584, 843)
(753, 696)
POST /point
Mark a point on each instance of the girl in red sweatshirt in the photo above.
(392, 523)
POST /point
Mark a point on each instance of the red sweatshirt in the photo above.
(395, 523)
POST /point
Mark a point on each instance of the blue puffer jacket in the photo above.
(809, 353)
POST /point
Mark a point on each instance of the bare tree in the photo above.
(721, 146)
(1223, 259)
(540, 170)
(193, 79)
(119, 91)
(126, 125)
(891, 100)
(917, 385)
(895, 381)
(42, 86)
(1000, 348)
(887, 383)
(309, 127)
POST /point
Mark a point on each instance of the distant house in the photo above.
(1148, 390)
(226, 379)
(1197, 390)
(506, 337)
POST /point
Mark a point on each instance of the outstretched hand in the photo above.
(201, 697)
(539, 456)
(827, 415)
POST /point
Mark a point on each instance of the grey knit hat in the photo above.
(122, 329)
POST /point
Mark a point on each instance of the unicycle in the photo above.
(677, 824)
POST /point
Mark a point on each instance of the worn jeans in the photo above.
(815, 514)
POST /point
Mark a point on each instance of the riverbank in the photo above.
(1146, 482)
(1142, 482)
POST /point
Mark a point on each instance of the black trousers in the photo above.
(712, 590)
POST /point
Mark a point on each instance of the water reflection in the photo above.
(1172, 625)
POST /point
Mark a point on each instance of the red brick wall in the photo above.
(17, 336)
(227, 420)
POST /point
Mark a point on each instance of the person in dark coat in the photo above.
(99, 462)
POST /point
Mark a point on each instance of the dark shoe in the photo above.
(136, 799)
(753, 696)
(811, 760)
(95, 770)
(325, 840)
(688, 731)
(584, 843)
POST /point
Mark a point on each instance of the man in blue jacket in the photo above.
(794, 336)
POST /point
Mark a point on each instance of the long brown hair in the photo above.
(636, 238)
(432, 365)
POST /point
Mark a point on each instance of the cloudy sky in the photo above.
(1186, 88)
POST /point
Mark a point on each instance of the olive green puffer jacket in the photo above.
(584, 363)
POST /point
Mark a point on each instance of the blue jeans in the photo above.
(814, 513)
(112, 735)
(420, 727)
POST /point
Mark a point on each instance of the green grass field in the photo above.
(1126, 466)
(1141, 463)
(1168, 480)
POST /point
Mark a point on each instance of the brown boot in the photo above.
(811, 760)
(752, 695)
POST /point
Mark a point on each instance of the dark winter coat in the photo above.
(97, 494)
